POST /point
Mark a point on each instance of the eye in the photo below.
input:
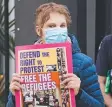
(51, 25)
(63, 25)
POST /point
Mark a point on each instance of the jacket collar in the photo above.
(75, 45)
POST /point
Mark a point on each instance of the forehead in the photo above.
(56, 18)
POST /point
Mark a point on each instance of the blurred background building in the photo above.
(92, 20)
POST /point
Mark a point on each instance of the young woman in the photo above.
(52, 22)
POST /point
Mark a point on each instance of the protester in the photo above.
(52, 22)
(103, 65)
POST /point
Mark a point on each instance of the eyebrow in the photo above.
(55, 23)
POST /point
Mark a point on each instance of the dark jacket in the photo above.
(104, 57)
(90, 93)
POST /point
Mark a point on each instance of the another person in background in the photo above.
(103, 65)
(52, 22)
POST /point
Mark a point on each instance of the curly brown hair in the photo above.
(42, 14)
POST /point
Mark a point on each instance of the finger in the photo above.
(13, 88)
(62, 78)
(69, 75)
(71, 85)
(16, 84)
(75, 88)
(68, 80)
(16, 75)
(18, 79)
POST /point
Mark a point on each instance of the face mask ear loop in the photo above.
(42, 35)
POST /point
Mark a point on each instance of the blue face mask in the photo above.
(56, 35)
